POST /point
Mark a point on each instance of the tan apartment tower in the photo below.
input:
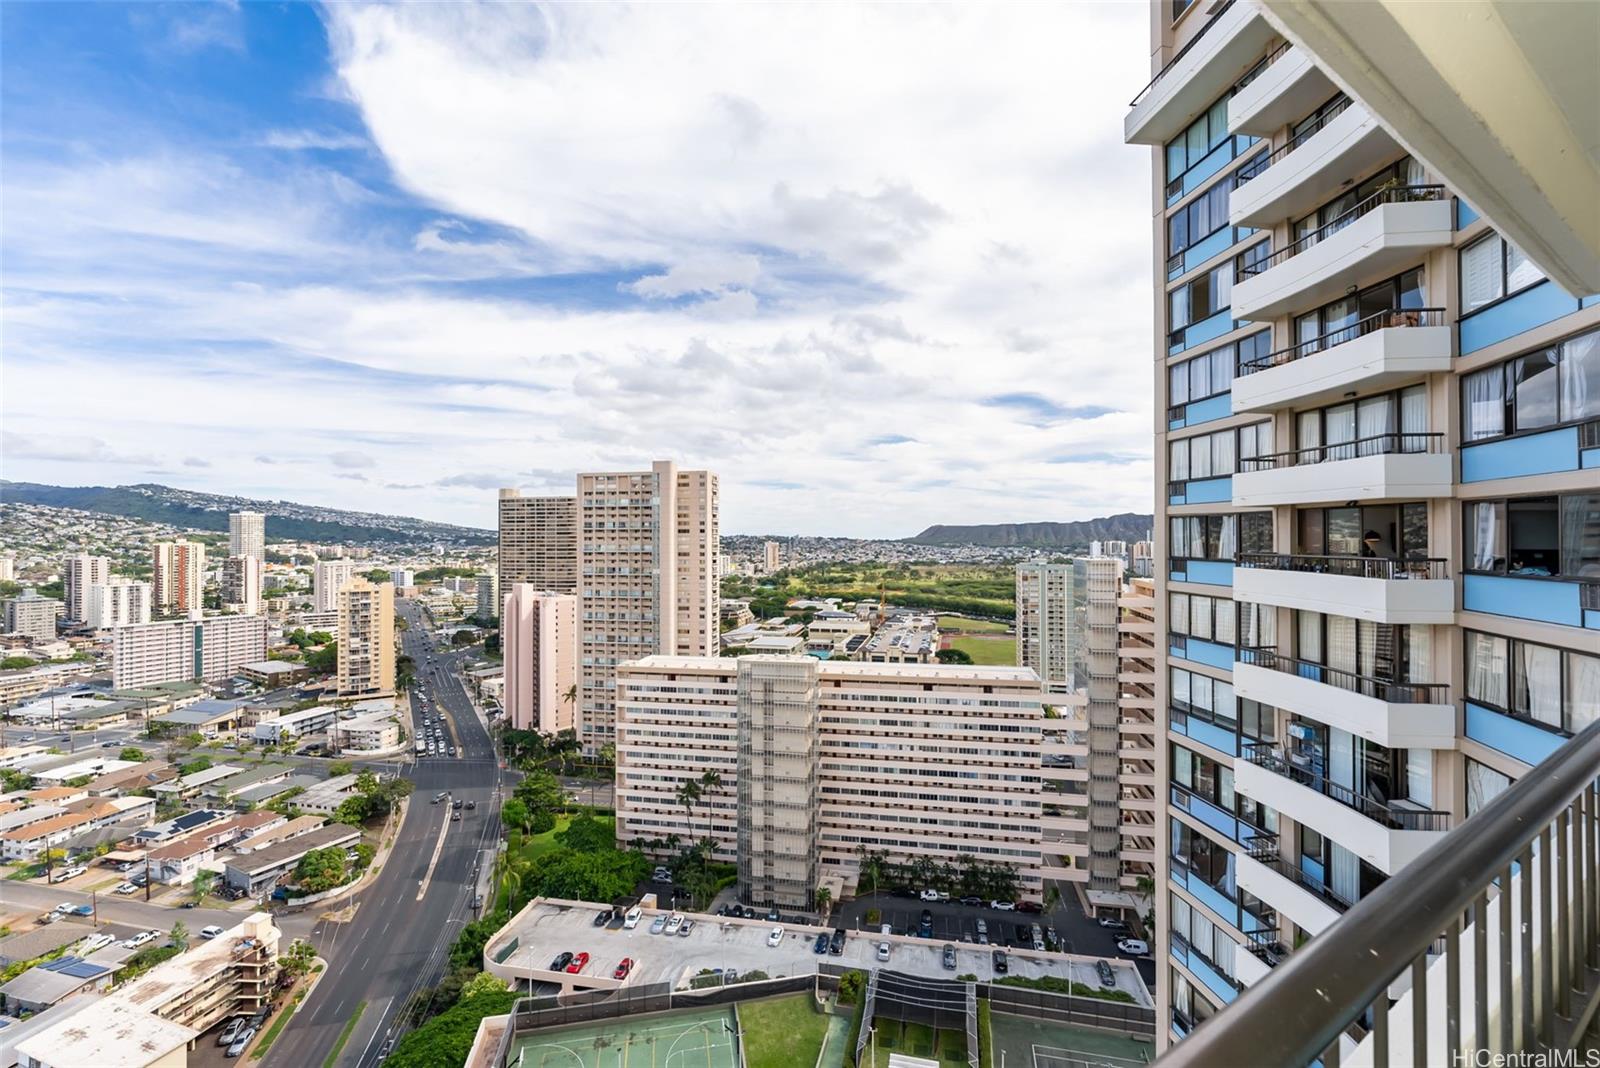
(366, 639)
(247, 535)
(241, 584)
(777, 781)
(538, 542)
(179, 576)
(539, 638)
(78, 573)
(647, 565)
(771, 556)
(327, 579)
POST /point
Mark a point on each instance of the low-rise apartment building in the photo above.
(372, 733)
(194, 649)
(907, 760)
(257, 872)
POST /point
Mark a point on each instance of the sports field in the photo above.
(701, 1039)
(1037, 1044)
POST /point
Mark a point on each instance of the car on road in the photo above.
(1111, 923)
(631, 920)
(948, 957)
(561, 962)
(241, 1042)
(579, 963)
(821, 945)
(231, 1029)
(457, 803)
(1030, 906)
(140, 939)
(930, 894)
(661, 875)
(1037, 933)
(1050, 936)
(775, 937)
(455, 817)
(125, 888)
(998, 959)
(83, 910)
(210, 932)
(603, 917)
(659, 925)
(683, 931)
(1108, 978)
(1133, 947)
(973, 900)
(883, 951)
(471, 805)
(440, 796)
(1003, 906)
(673, 923)
(624, 966)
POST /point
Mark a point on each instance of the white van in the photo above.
(631, 920)
(210, 932)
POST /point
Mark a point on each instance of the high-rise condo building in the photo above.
(366, 639)
(813, 776)
(31, 615)
(770, 556)
(185, 650)
(538, 542)
(247, 535)
(8, 567)
(647, 563)
(241, 584)
(179, 576)
(327, 579)
(539, 640)
(402, 577)
(118, 602)
(78, 573)
(488, 596)
(1377, 396)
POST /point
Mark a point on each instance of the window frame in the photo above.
(1506, 292)
(1207, 436)
(1508, 393)
(1562, 675)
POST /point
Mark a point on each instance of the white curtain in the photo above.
(1521, 272)
(1180, 916)
(1178, 614)
(1580, 535)
(1341, 758)
(1341, 643)
(1484, 404)
(1201, 691)
(1536, 683)
(1222, 453)
(1488, 534)
(1480, 273)
(1419, 649)
(1419, 776)
(1583, 690)
(1339, 426)
(1309, 636)
(1484, 784)
(1580, 377)
(1225, 628)
(1228, 543)
(1413, 414)
(1200, 617)
(1486, 669)
(1180, 687)
(1367, 634)
(1374, 417)
(1344, 872)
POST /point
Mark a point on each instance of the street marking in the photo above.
(427, 876)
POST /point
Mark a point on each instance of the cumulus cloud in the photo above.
(195, 461)
(68, 449)
(351, 458)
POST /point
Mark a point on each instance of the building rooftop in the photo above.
(202, 712)
(292, 849)
(199, 778)
(254, 795)
(107, 1033)
(858, 669)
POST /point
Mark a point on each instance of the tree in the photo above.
(576, 876)
(688, 794)
(464, 636)
(482, 983)
(585, 834)
(872, 865)
(192, 766)
(953, 656)
(298, 958)
(204, 883)
(515, 815)
(321, 869)
(133, 754)
(12, 663)
(179, 935)
(340, 767)
(540, 790)
(563, 745)
(824, 898)
(13, 779)
(324, 661)
(376, 575)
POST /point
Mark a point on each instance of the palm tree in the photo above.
(710, 786)
(688, 794)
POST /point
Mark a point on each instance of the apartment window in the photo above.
(1492, 268)
(1204, 698)
(1484, 784)
(1257, 722)
(1388, 531)
(1539, 537)
(1335, 214)
(1216, 454)
(1200, 298)
(1257, 625)
(1535, 391)
(1197, 615)
(1205, 859)
(1555, 688)
(1219, 537)
(1211, 374)
(1385, 651)
(1203, 136)
(1373, 426)
(1202, 936)
(1334, 323)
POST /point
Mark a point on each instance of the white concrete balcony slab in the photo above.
(1385, 233)
(1311, 168)
(1386, 349)
(1289, 88)
(1295, 897)
(1399, 715)
(1248, 968)
(1386, 836)
(1396, 467)
(1379, 590)
(1201, 71)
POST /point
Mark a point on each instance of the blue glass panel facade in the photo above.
(1211, 572)
(1204, 330)
(1204, 411)
(1532, 307)
(1542, 600)
(1513, 737)
(1530, 454)
(1465, 216)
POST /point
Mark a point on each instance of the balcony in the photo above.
(1201, 71)
(1384, 467)
(1372, 588)
(1311, 904)
(1385, 349)
(1292, 181)
(1384, 233)
(1399, 715)
(1283, 87)
(1387, 836)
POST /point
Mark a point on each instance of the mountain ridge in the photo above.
(1124, 526)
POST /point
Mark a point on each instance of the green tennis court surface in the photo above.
(1037, 1044)
(701, 1039)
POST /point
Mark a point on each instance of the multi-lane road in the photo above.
(404, 921)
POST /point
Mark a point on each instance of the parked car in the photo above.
(241, 1042)
(772, 915)
(821, 945)
(925, 924)
(659, 925)
(972, 899)
(1030, 906)
(1050, 936)
(883, 951)
(1003, 906)
(929, 894)
(631, 920)
(471, 805)
(140, 939)
(125, 888)
(1133, 947)
(210, 932)
(948, 957)
(93, 943)
(579, 963)
(1108, 978)
(998, 959)
(231, 1029)
(1038, 936)
(603, 917)
(457, 803)
(836, 944)
(82, 910)
(661, 875)
(561, 962)
(775, 937)
(673, 923)
(1111, 923)
(685, 927)
(623, 968)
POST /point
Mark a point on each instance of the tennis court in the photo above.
(1028, 1043)
(699, 1039)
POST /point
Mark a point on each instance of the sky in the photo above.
(877, 266)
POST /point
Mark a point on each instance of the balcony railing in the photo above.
(1387, 444)
(1393, 690)
(1196, 39)
(1273, 759)
(1264, 848)
(1372, 567)
(1400, 194)
(1262, 64)
(1260, 164)
(1477, 886)
(1383, 320)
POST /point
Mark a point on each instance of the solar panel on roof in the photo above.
(76, 967)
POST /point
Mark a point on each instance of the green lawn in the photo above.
(972, 626)
(540, 844)
(782, 1032)
(984, 650)
(918, 1040)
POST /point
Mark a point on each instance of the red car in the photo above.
(623, 969)
(579, 963)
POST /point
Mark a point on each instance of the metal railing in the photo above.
(1261, 65)
(1196, 39)
(1400, 194)
(1260, 164)
(1264, 849)
(1393, 690)
(1268, 756)
(1383, 320)
(1388, 444)
(1516, 883)
(1372, 567)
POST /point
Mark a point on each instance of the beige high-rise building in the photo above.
(31, 615)
(539, 640)
(247, 535)
(647, 564)
(488, 592)
(118, 602)
(538, 542)
(179, 576)
(78, 573)
(770, 556)
(241, 584)
(952, 774)
(327, 579)
(366, 638)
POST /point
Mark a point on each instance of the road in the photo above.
(406, 919)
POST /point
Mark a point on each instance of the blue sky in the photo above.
(879, 267)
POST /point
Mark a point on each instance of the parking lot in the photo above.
(547, 929)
